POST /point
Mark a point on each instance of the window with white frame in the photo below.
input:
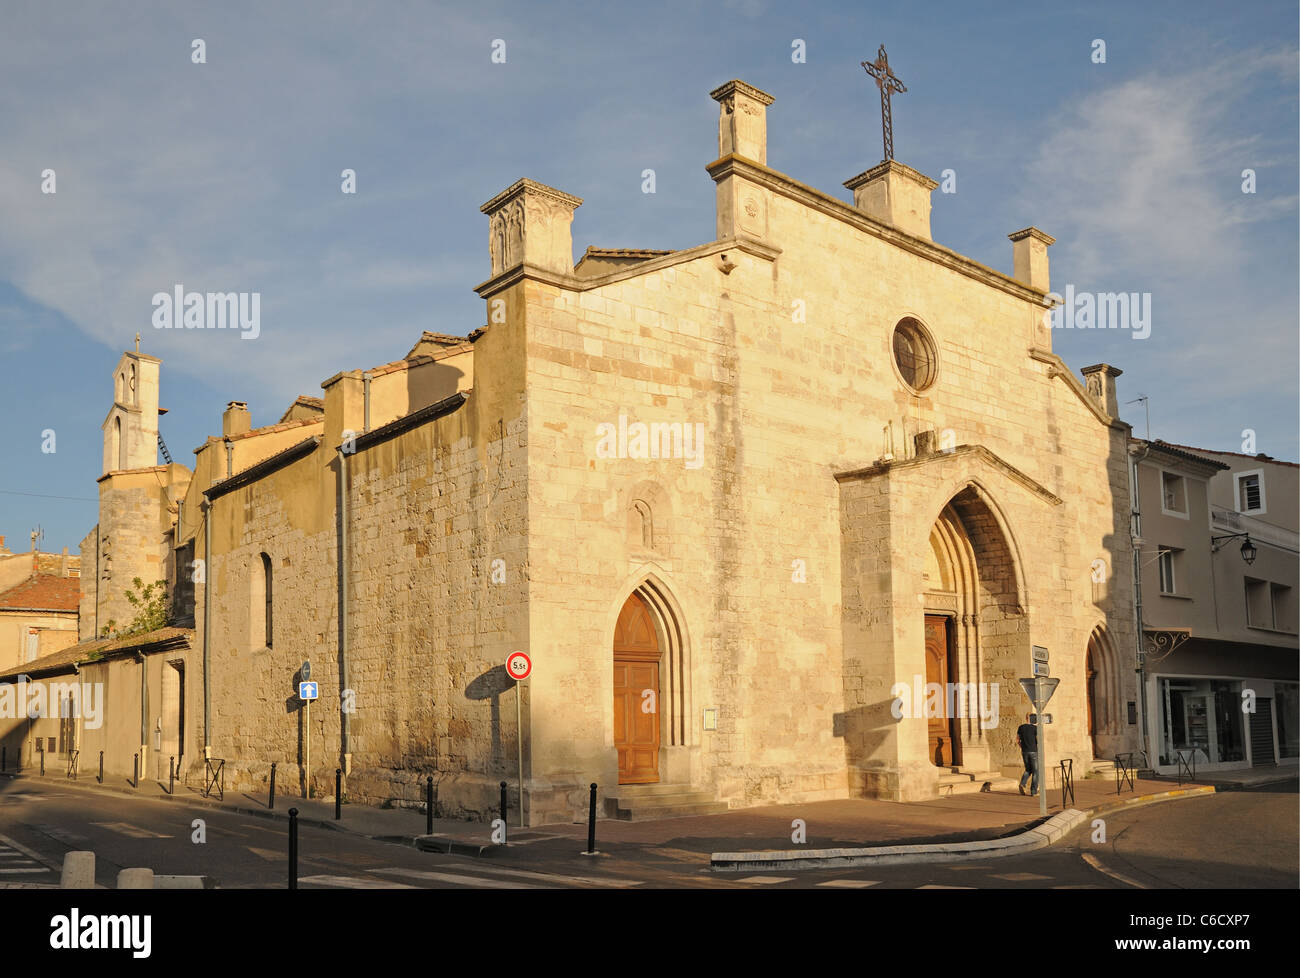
(1173, 494)
(1249, 491)
(1168, 558)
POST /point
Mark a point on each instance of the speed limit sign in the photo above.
(519, 665)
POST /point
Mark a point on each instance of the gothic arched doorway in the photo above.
(636, 693)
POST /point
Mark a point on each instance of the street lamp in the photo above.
(1248, 550)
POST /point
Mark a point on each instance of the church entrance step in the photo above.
(647, 801)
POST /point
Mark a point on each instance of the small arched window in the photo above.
(266, 579)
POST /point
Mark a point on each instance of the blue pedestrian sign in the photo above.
(307, 691)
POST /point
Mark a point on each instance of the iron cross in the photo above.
(888, 83)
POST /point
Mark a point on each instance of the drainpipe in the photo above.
(365, 397)
(144, 713)
(207, 626)
(343, 605)
(1135, 535)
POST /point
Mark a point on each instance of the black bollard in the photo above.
(101, 767)
(171, 776)
(43, 765)
(338, 793)
(271, 804)
(591, 823)
(503, 801)
(293, 848)
(135, 768)
(428, 806)
(4, 758)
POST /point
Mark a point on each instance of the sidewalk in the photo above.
(829, 824)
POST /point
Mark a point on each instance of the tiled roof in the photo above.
(1215, 451)
(96, 649)
(315, 403)
(46, 592)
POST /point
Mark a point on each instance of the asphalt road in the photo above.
(1247, 839)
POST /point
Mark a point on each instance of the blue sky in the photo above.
(225, 176)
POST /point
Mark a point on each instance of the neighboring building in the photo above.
(39, 598)
(1220, 632)
(729, 499)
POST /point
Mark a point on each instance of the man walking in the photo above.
(1027, 738)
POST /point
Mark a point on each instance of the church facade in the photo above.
(745, 506)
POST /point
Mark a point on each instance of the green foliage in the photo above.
(150, 603)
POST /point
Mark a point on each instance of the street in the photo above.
(1234, 839)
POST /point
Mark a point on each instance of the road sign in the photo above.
(305, 672)
(1040, 654)
(308, 691)
(1039, 690)
(518, 665)
(1040, 669)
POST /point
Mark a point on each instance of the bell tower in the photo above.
(131, 428)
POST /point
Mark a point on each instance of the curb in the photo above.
(1049, 832)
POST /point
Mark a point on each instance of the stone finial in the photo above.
(742, 120)
(896, 195)
(1100, 379)
(1029, 251)
(531, 223)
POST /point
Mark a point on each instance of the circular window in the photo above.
(914, 355)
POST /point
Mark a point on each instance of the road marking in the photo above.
(268, 854)
(940, 886)
(850, 884)
(1019, 877)
(465, 880)
(28, 869)
(355, 883)
(70, 839)
(766, 879)
(552, 877)
(134, 831)
(1097, 864)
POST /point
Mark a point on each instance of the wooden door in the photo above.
(636, 694)
(1092, 706)
(938, 670)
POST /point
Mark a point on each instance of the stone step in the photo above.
(658, 801)
(640, 813)
(643, 790)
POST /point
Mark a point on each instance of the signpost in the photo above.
(519, 667)
(1039, 689)
(305, 687)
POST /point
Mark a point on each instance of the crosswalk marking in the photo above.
(1019, 877)
(544, 877)
(19, 860)
(766, 879)
(424, 874)
(354, 883)
(134, 831)
(940, 886)
(850, 884)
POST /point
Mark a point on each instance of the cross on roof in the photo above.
(888, 83)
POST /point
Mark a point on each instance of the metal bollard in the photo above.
(338, 793)
(428, 806)
(293, 848)
(43, 765)
(503, 801)
(591, 823)
(135, 768)
(101, 767)
(4, 758)
(270, 805)
(171, 777)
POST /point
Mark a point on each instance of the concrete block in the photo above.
(78, 871)
(135, 879)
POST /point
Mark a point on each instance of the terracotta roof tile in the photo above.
(93, 650)
(48, 592)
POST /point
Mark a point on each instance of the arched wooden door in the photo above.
(1092, 701)
(636, 694)
(945, 748)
